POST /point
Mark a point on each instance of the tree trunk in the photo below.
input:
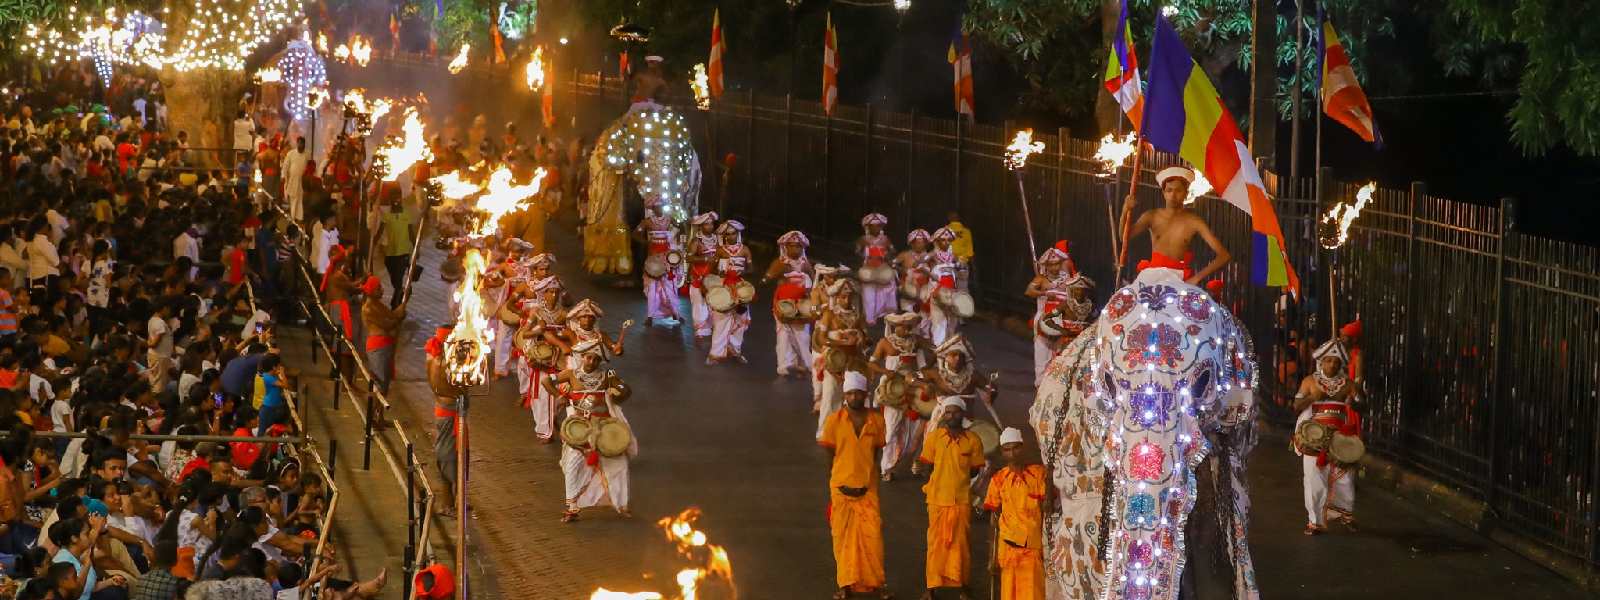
(1106, 112)
(204, 103)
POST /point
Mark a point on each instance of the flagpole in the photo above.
(1133, 184)
(1316, 161)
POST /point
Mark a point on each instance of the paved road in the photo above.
(737, 442)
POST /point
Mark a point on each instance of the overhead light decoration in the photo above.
(902, 6)
(304, 72)
(564, 40)
(220, 34)
(629, 32)
(106, 39)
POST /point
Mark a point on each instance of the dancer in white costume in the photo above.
(1057, 288)
(1327, 397)
(842, 332)
(728, 326)
(660, 292)
(901, 353)
(948, 274)
(594, 394)
(875, 249)
(542, 321)
(914, 269)
(793, 344)
(825, 278)
(702, 260)
(511, 274)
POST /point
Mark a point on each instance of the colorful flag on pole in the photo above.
(547, 97)
(714, 66)
(394, 32)
(960, 58)
(1122, 71)
(1342, 97)
(1185, 115)
(830, 68)
(622, 64)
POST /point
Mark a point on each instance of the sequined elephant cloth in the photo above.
(649, 148)
(1151, 407)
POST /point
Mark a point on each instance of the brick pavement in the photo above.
(736, 441)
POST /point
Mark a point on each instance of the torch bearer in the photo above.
(1022, 145)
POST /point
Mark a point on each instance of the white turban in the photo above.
(1011, 435)
(1180, 172)
(854, 381)
(949, 401)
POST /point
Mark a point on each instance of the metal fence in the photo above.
(1480, 342)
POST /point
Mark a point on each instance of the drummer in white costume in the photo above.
(877, 278)
(728, 325)
(660, 273)
(904, 352)
(825, 278)
(583, 325)
(914, 270)
(1326, 397)
(702, 261)
(1062, 305)
(793, 345)
(842, 335)
(593, 394)
(503, 280)
(543, 319)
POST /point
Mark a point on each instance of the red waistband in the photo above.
(1162, 261)
(379, 342)
(442, 412)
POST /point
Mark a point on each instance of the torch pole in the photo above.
(411, 266)
(1127, 218)
(461, 496)
(1027, 220)
(1333, 294)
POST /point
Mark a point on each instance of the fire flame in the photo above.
(1113, 152)
(1198, 188)
(534, 74)
(692, 544)
(460, 61)
(702, 87)
(269, 75)
(1342, 215)
(358, 51)
(356, 99)
(322, 42)
(409, 150)
(1022, 146)
(454, 187)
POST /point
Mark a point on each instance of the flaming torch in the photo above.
(412, 147)
(605, 594)
(1113, 152)
(1333, 230)
(534, 73)
(460, 61)
(1199, 188)
(702, 87)
(1022, 146)
(269, 75)
(693, 545)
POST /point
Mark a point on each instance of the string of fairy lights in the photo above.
(220, 34)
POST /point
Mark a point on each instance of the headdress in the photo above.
(590, 347)
(944, 233)
(1011, 435)
(1352, 329)
(731, 226)
(546, 283)
(545, 259)
(855, 382)
(1170, 172)
(917, 234)
(793, 237)
(371, 286)
(874, 219)
(955, 343)
(840, 286)
(705, 217)
(585, 307)
(1332, 348)
(521, 245)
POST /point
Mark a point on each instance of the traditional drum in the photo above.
(807, 310)
(924, 404)
(1311, 437)
(892, 391)
(989, 434)
(835, 360)
(963, 305)
(508, 315)
(744, 292)
(719, 298)
(575, 432)
(612, 436)
(877, 275)
(1346, 449)
(542, 353)
(674, 258)
(655, 266)
(1050, 326)
(788, 309)
(712, 281)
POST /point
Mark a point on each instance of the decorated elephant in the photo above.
(1147, 413)
(648, 149)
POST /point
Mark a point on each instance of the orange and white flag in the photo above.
(714, 66)
(830, 69)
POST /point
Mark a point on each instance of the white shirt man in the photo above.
(294, 167)
(244, 134)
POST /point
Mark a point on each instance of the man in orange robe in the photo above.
(956, 455)
(1017, 493)
(854, 438)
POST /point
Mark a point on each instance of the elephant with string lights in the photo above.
(1145, 416)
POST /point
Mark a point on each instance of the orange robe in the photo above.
(953, 457)
(856, 524)
(1017, 495)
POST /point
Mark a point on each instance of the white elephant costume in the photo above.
(1148, 411)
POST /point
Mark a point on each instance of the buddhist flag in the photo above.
(394, 32)
(1342, 97)
(1122, 71)
(960, 58)
(830, 68)
(714, 66)
(1185, 115)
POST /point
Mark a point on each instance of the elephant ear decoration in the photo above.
(1125, 415)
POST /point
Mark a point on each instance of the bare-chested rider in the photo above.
(1173, 227)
